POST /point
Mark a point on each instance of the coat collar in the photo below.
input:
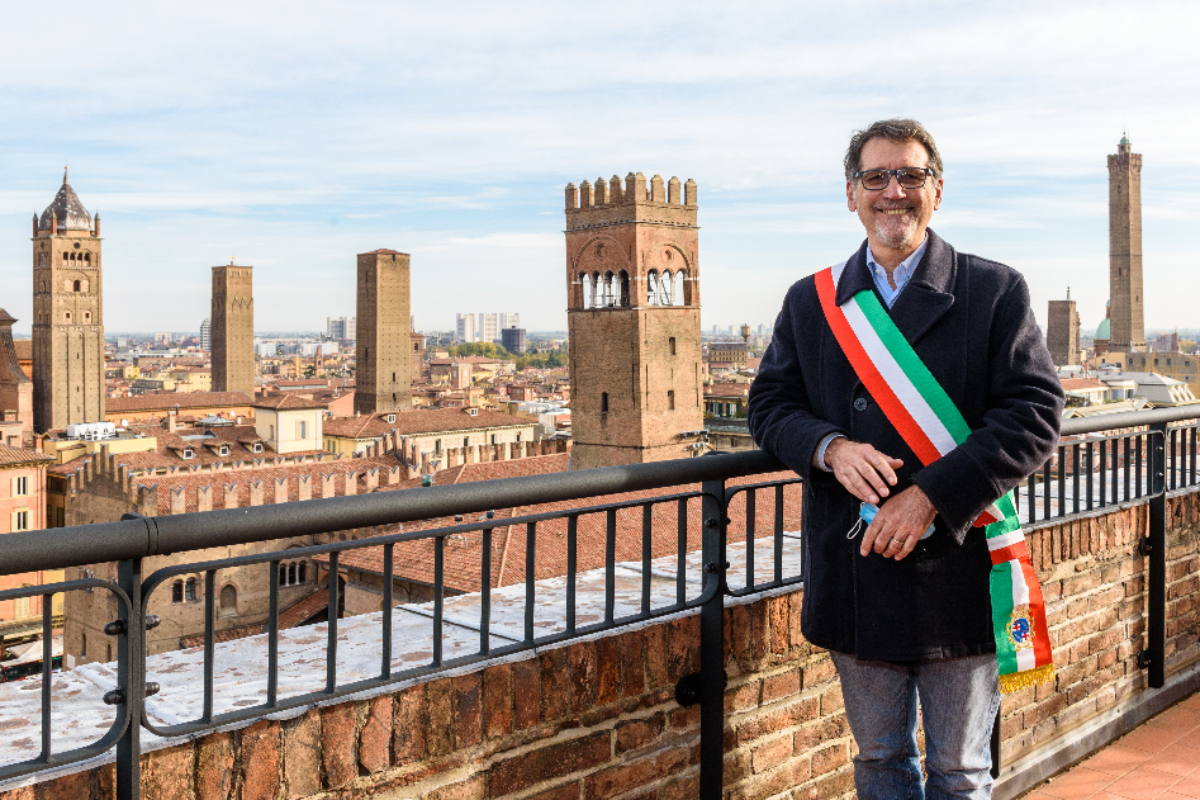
(928, 295)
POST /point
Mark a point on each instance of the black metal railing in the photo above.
(1147, 457)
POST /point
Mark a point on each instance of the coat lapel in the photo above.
(929, 294)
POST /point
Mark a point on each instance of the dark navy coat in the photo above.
(970, 322)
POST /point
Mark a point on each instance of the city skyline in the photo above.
(757, 115)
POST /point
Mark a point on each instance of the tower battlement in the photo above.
(613, 202)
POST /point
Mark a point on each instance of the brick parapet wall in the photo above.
(597, 719)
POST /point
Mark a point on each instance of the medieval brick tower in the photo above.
(68, 315)
(1125, 250)
(382, 344)
(633, 313)
(233, 329)
(1062, 332)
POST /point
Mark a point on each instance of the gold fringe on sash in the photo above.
(1017, 681)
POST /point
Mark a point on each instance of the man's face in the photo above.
(895, 218)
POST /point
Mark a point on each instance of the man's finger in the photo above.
(882, 465)
(910, 543)
(854, 483)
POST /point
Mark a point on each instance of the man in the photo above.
(906, 616)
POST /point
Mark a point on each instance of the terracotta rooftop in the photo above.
(384, 251)
(14, 456)
(1078, 384)
(163, 402)
(286, 401)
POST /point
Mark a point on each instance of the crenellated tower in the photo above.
(633, 312)
(68, 314)
(1125, 250)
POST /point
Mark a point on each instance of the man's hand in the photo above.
(864, 471)
(899, 524)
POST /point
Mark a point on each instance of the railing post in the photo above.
(1155, 548)
(131, 667)
(712, 643)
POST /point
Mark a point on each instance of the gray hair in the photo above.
(894, 130)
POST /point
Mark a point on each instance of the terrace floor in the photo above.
(1160, 759)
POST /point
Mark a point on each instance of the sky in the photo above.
(291, 136)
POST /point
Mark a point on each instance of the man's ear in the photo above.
(937, 194)
(850, 204)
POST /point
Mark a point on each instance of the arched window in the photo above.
(677, 294)
(76, 286)
(228, 601)
(652, 288)
(303, 572)
(177, 592)
(608, 290)
(597, 290)
(667, 285)
(585, 290)
(292, 574)
(283, 575)
(623, 279)
(87, 257)
(189, 590)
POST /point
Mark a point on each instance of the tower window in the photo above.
(67, 316)
(604, 402)
(76, 286)
(670, 399)
(671, 345)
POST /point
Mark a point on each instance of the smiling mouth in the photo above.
(894, 212)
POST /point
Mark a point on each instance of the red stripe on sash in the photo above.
(1010, 553)
(876, 385)
(1041, 639)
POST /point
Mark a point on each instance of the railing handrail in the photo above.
(32, 551)
(1128, 419)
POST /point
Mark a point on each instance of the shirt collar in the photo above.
(904, 270)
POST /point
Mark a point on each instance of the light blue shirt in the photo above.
(901, 276)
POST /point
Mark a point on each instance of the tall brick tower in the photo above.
(383, 375)
(1062, 332)
(233, 329)
(1125, 249)
(633, 312)
(68, 314)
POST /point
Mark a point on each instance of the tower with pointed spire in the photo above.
(1128, 325)
(68, 314)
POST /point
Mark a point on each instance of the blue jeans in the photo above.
(959, 700)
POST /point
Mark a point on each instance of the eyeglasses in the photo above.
(876, 180)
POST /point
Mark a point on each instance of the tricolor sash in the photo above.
(931, 425)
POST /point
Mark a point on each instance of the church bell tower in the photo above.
(68, 314)
(633, 311)
(1125, 250)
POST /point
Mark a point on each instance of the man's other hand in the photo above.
(899, 524)
(864, 471)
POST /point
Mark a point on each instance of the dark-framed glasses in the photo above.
(876, 180)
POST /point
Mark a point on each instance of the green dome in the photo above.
(1103, 333)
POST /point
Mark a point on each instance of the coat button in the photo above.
(860, 404)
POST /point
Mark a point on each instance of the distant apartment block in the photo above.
(340, 327)
(464, 328)
(206, 334)
(509, 320)
(489, 327)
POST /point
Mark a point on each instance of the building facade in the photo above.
(340, 328)
(206, 335)
(1062, 332)
(633, 311)
(233, 329)
(464, 328)
(68, 311)
(1128, 328)
(513, 340)
(489, 327)
(16, 389)
(383, 377)
(509, 319)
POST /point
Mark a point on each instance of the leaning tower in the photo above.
(68, 314)
(633, 312)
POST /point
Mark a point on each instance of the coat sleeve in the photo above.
(781, 412)
(1020, 428)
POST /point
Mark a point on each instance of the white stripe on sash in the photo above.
(1004, 540)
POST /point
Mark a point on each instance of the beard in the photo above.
(895, 231)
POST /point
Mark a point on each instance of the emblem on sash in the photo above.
(1020, 628)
